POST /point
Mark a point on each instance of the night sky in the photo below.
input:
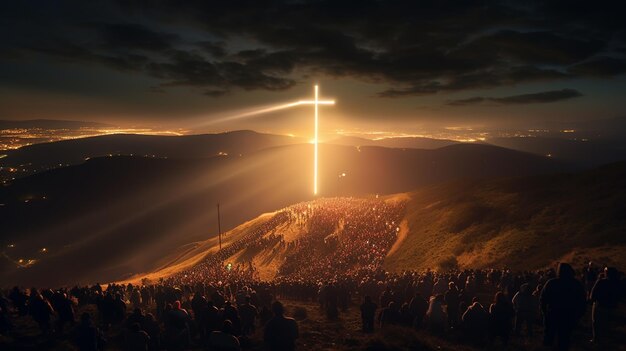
(391, 65)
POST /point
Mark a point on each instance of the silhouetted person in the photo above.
(224, 340)
(198, 303)
(562, 303)
(231, 313)
(213, 319)
(500, 318)
(368, 313)
(18, 299)
(405, 317)
(176, 334)
(65, 310)
(135, 298)
(178, 316)
(476, 322)
(106, 310)
(435, 315)
(418, 308)
(137, 339)
(40, 310)
(605, 296)
(135, 317)
(332, 301)
(248, 313)
(524, 306)
(87, 335)
(280, 332)
(452, 301)
(218, 299)
(390, 315)
(151, 326)
(119, 309)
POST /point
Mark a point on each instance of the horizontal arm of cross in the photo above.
(319, 102)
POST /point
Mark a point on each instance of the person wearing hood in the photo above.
(563, 303)
(524, 307)
(475, 322)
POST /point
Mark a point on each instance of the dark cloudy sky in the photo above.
(390, 64)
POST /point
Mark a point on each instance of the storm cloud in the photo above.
(533, 98)
(408, 48)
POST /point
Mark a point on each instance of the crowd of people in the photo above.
(487, 306)
(339, 235)
(478, 307)
(338, 265)
(343, 235)
(153, 317)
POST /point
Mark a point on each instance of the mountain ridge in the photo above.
(154, 205)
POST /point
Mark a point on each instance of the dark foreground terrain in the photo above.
(327, 313)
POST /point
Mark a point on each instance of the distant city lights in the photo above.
(15, 138)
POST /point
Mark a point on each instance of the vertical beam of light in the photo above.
(315, 142)
(254, 112)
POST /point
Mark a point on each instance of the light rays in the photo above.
(255, 112)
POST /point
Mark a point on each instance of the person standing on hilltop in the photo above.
(562, 303)
(280, 332)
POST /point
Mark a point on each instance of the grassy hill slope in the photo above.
(523, 223)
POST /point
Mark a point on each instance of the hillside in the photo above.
(522, 223)
(121, 215)
(589, 153)
(75, 151)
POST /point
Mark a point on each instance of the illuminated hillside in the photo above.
(521, 223)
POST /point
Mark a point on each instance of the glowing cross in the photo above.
(272, 108)
(316, 102)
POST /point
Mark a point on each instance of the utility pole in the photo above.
(219, 225)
